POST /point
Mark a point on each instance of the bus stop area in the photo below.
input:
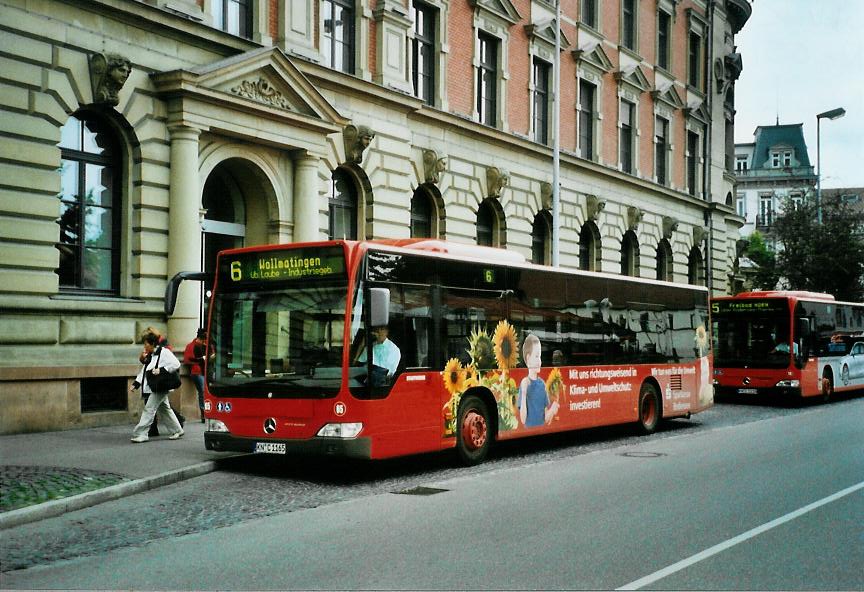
(46, 474)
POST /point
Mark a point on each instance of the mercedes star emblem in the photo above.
(269, 425)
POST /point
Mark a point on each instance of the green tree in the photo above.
(826, 257)
(760, 253)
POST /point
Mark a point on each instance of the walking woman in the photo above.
(158, 359)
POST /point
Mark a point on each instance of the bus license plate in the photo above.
(750, 391)
(269, 447)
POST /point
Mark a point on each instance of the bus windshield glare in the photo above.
(751, 333)
(278, 324)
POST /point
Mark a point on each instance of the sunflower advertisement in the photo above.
(525, 399)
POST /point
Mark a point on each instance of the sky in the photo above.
(801, 58)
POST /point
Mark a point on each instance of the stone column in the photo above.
(184, 231)
(306, 199)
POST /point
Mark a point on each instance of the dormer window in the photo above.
(781, 158)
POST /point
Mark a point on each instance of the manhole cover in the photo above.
(643, 454)
(421, 491)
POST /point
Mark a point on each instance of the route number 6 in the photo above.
(236, 271)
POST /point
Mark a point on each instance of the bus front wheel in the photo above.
(649, 408)
(473, 437)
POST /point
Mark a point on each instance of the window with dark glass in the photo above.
(628, 24)
(233, 16)
(485, 225)
(664, 261)
(626, 136)
(692, 161)
(338, 47)
(694, 62)
(90, 204)
(589, 247)
(540, 236)
(421, 215)
(588, 12)
(423, 52)
(663, 37)
(696, 268)
(587, 92)
(630, 254)
(342, 201)
(541, 100)
(487, 79)
(661, 131)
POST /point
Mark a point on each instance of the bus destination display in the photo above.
(749, 306)
(288, 265)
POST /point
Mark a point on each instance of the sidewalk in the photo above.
(57, 472)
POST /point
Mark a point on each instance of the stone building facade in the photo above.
(142, 136)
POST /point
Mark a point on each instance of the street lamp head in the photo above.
(832, 114)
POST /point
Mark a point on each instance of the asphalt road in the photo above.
(742, 497)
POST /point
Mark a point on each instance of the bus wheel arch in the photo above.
(476, 426)
(649, 406)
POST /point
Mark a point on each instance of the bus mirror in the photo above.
(173, 287)
(379, 299)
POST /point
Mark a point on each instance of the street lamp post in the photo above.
(832, 114)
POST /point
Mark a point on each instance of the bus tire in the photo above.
(827, 385)
(649, 408)
(474, 431)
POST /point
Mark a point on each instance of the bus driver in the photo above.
(385, 355)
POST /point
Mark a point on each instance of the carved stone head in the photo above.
(496, 180)
(433, 166)
(634, 217)
(595, 205)
(357, 139)
(108, 74)
(670, 225)
(546, 196)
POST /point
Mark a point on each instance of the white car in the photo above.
(852, 364)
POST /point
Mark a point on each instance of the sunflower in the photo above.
(472, 377)
(701, 339)
(454, 376)
(554, 384)
(506, 353)
(481, 349)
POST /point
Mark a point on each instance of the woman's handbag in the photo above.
(164, 381)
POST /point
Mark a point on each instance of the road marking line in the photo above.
(693, 559)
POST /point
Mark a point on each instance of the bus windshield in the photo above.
(277, 324)
(751, 334)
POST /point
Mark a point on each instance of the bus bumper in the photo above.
(346, 448)
(774, 391)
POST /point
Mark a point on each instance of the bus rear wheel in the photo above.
(649, 408)
(474, 433)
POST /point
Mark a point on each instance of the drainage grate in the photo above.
(421, 491)
(642, 454)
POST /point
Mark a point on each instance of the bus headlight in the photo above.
(340, 430)
(789, 384)
(214, 425)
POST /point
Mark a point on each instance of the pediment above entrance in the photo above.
(263, 83)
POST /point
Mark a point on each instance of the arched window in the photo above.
(541, 239)
(90, 206)
(422, 210)
(696, 267)
(664, 261)
(343, 206)
(486, 225)
(630, 254)
(589, 247)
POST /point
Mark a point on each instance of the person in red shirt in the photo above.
(193, 357)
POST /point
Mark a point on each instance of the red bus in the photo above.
(792, 344)
(487, 348)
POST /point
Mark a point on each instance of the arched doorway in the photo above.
(235, 210)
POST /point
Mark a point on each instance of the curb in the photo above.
(106, 494)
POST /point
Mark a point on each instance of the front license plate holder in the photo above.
(269, 448)
(747, 391)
